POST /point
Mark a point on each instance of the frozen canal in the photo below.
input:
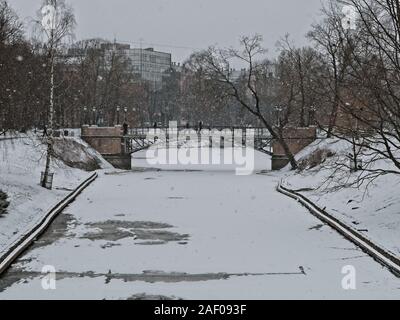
(192, 235)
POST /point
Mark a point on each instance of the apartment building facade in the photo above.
(149, 64)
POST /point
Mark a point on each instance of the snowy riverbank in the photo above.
(21, 162)
(374, 211)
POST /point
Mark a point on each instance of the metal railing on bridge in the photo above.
(144, 131)
(141, 138)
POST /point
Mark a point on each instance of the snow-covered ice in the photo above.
(194, 235)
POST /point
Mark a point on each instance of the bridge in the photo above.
(137, 139)
(117, 144)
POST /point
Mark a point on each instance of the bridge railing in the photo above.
(143, 131)
(140, 138)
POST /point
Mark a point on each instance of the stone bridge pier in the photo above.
(109, 142)
(297, 139)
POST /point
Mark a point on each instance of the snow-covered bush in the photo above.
(315, 159)
(3, 202)
(330, 163)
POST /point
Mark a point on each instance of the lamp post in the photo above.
(94, 116)
(278, 110)
(125, 114)
(118, 110)
(311, 116)
(85, 115)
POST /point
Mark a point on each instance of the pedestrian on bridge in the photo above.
(44, 131)
(125, 127)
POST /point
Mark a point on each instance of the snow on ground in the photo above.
(375, 211)
(21, 162)
(194, 235)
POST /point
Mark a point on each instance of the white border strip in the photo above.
(15, 251)
(380, 254)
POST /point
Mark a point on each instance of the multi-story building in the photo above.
(151, 65)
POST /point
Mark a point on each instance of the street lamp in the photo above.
(125, 114)
(278, 110)
(84, 115)
(311, 117)
(118, 110)
(94, 116)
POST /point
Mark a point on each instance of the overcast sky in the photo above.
(180, 26)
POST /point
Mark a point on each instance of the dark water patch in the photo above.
(147, 297)
(144, 232)
(157, 235)
(151, 243)
(57, 230)
(20, 276)
(317, 227)
(110, 245)
(129, 224)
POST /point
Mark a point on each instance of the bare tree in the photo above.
(57, 22)
(376, 52)
(300, 70)
(368, 116)
(16, 60)
(11, 29)
(201, 99)
(330, 39)
(215, 64)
